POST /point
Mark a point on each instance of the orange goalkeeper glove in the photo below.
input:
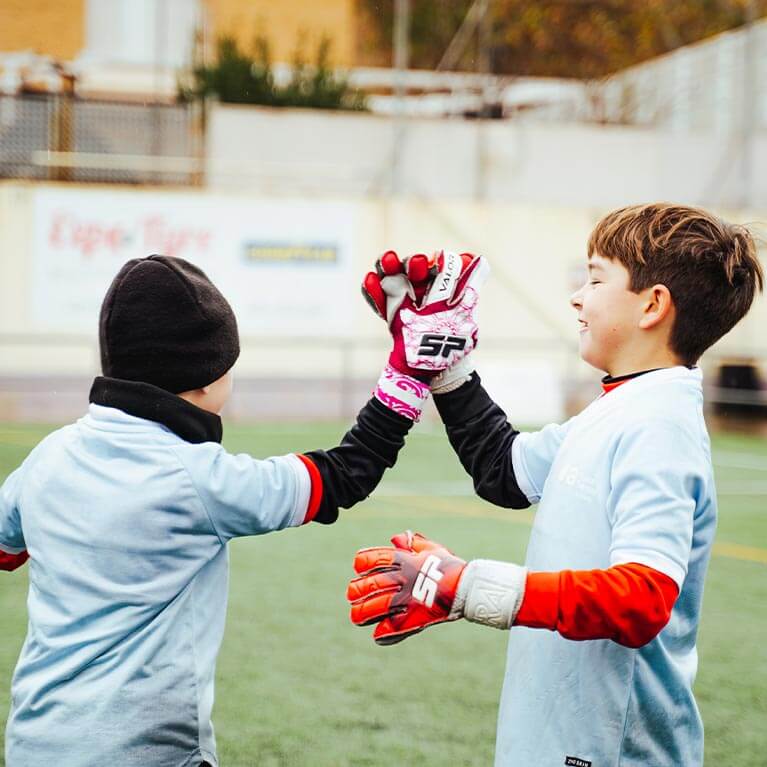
(419, 583)
(404, 589)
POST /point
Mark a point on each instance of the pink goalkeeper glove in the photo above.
(430, 306)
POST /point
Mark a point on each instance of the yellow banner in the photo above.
(271, 253)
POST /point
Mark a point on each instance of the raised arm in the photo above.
(348, 473)
(243, 496)
(482, 438)
(431, 330)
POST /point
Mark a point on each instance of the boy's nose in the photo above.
(575, 299)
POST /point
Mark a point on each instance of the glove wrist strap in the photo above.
(401, 393)
(490, 592)
(452, 378)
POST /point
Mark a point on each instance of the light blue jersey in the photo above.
(126, 525)
(627, 480)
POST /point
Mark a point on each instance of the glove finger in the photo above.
(415, 542)
(386, 633)
(438, 259)
(449, 267)
(390, 264)
(421, 271)
(468, 270)
(473, 276)
(403, 540)
(420, 268)
(371, 609)
(373, 558)
(374, 293)
(377, 582)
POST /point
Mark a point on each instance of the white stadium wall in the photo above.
(507, 161)
(291, 267)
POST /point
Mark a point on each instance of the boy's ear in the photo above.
(657, 307)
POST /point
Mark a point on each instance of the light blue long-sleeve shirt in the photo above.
(126, 525)
(627, 480)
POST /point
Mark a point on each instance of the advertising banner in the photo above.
(284, 265)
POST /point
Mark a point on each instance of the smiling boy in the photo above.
(622, 536)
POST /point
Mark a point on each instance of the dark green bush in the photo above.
(241, 78)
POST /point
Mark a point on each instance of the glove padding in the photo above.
(404, 589)
(429, 305)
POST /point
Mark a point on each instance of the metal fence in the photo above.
(61, 138)
(715, 85)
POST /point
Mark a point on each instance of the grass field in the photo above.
(298, 685)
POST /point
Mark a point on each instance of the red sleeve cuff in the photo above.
(12, 561)
(628, 603)
(540, 605)
(315, 496)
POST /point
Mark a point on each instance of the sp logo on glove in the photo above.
(425, 588)
(433, 344)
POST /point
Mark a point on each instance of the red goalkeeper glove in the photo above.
(404, 589)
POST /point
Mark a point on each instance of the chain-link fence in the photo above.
(61, 138)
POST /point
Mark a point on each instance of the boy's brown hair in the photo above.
(709, 266)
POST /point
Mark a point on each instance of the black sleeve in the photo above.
(351, 471)
(482, 437)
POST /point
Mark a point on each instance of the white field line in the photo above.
(461, 489)
(748, 487)
(452, 489)
(738, 460)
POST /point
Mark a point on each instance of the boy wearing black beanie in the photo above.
(126, 515)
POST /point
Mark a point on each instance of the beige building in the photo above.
(159, 33)
(285, 22)
(49, 28)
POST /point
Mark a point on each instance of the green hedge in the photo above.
(239, 77)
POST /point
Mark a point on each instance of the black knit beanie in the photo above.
(165, 323)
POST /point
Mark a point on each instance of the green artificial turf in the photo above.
(297, 684)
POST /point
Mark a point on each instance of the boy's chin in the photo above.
(595, 360)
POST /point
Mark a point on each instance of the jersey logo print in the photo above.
(578, 481)
(425, 588)
(569, 475)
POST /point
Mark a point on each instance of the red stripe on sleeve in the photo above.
(629, 604)
(315, 497)
(12, 561)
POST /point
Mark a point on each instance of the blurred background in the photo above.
(283, 146)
